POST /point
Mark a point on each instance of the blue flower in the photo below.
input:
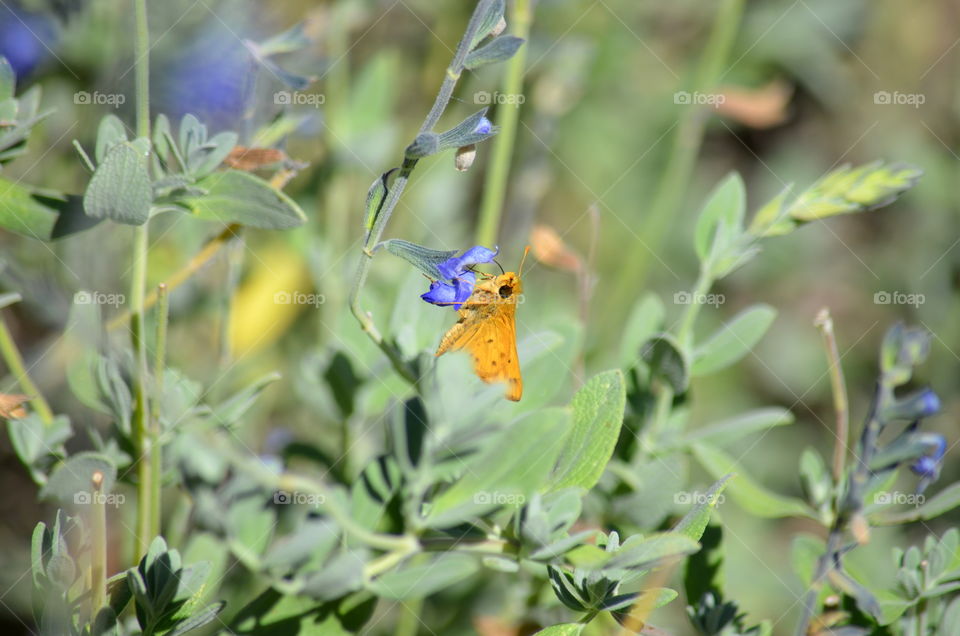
(25, 39)
(484, 127)
(928, 466)
(457, 266)
(455, 269)
(453, 295)
(929, 403)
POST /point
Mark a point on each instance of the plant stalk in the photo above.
(840, 405)
(14, 361)
(138, 284)
(159, 364)
(98, 546)
(373, 238)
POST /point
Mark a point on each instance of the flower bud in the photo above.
(464, 157)
(917, 405)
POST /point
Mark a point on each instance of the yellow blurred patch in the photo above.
(263, 308)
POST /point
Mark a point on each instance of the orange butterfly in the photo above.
(487, 329)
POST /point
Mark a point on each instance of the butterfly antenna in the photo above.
(523, 259)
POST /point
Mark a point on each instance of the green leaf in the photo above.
(734, 428)
(20, 212)
(749, 494)
(110, 132)
(733, 341)
(74, 477)
(597, 415)
(8, 79)
(250, 524)
(944, 501)
(721, 219)
(198, 620)
(207, 157)
(466, 132)
(645, 320)
(507, 471)
(488, 21)
(667, 362)
(434, 573)
(423, 258)
(805, 551)
(120, 188)
(376, 195)
(562, 629)
(642, 553)
(342, 574)
(695, 522)
(239, 197)
(229, 412)
(499, 49)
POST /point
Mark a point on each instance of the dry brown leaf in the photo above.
(762, 107)
(11, 405)
(550, 249)
(250, 159)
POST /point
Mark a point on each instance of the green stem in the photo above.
(664, 400)
(137, 292)
(98, 546)
(393, 197)
(159, 362)
(13, 359)
(408, 623)
(840, 406)
(495, 187)
(684, 151)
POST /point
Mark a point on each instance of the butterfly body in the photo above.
(487, 330)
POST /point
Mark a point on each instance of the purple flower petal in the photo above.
(448, 295)
(457, 266)
(929, 465)
(484, 127)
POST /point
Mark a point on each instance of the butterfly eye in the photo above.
(505, 291)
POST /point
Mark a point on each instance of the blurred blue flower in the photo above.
(929, 403)
(462, 280)
(485, 127)
(212, 78)
(928, 466)
(25, 38)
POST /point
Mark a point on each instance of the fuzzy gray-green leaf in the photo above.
(120, 189)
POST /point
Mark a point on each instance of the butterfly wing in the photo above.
(487, 330)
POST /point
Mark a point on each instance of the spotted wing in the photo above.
(487, 330)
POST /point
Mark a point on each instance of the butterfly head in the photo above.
(508, 285)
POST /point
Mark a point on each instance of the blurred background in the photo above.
(609, 96)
